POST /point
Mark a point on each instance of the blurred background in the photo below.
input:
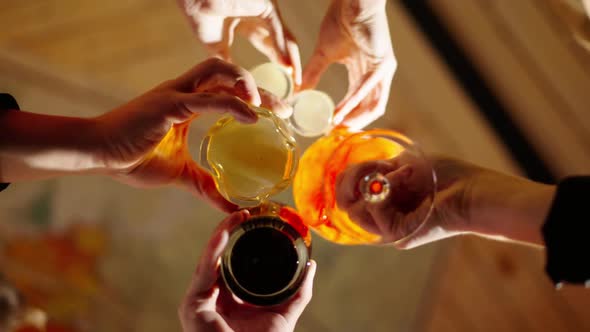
(502, 83)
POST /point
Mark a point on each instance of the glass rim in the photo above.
(408, 145)
(277, 297)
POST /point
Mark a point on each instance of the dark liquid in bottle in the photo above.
(264, 260)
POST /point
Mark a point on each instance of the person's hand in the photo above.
(468, 199)
(143, 143)
(356, 33)
(215, 23)
(209, 306)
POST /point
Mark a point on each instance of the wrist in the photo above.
(88, 148)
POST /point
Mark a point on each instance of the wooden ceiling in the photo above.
(530, 54)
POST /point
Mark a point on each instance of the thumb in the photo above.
(201, 183)
(317, 65)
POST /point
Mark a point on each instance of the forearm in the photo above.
(34, 146)
(510, 207)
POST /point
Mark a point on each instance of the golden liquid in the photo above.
(314, 183)
(251, 162)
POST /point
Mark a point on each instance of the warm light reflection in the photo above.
(287, 214)
(173, 145)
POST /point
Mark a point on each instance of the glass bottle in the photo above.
(267, 256)
(250, 162)
(314, 185)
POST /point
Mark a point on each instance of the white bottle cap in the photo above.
(273, 78)
(313, 112)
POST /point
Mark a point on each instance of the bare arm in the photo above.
(469, 199)
(586, 4)
(36, 146)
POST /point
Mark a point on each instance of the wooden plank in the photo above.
(548, 56)
(492, 47)
(502, 283)
(437, 96)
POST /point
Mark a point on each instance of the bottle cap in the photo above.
(273, 78)
(313, 113)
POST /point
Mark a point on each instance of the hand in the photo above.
(356, 33)
(209, 306)
(216, 21)
(144, 141)
(468, 199)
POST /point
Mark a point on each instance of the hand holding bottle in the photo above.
(141, 143)
(209, 306)
(145, 139)
(469, 199)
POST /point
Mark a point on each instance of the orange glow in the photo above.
(376, 187)
(294, 219)
(315, 181)
(286, 214)
(174, 144)
(58, 272)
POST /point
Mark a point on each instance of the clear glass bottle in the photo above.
(250, 162)
(314, 185)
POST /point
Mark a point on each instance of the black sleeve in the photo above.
(567, 232)
(7, 102)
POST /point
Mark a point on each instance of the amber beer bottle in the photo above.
(267, 256)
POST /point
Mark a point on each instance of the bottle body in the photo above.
(250, 162)
(314, 185)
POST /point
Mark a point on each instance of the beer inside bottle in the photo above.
(265, 260)
(250, 162)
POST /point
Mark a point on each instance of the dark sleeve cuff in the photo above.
(7, 102)
(567, 233)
